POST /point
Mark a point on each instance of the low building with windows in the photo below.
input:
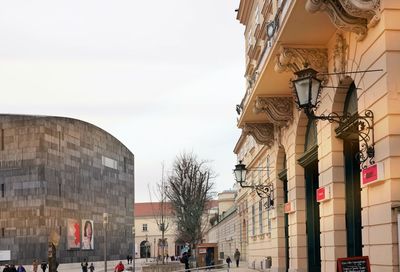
(332, 157)
(59, 177)
(149, 217)
(148, 240)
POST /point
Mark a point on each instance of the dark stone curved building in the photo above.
(58, 176)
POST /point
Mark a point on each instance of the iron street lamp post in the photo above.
(147, 247)
(105, 224)
(134, 248)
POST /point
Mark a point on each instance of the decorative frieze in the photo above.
(349, 15)
(263, 133)
(279, 110)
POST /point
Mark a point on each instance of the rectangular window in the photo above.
(269, 221)
(59, 189)
(125, 164)
(59, 141)
(108, 162)
(144, 227)
(2, 139)
(253, 220)
(3, 190)
(260, 221)
(2, 232)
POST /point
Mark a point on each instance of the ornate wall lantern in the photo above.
(307, 88)
(263, 190)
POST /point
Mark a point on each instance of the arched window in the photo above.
(350, 104)
(311, 136)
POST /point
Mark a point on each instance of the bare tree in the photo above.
(189, 190)
(160, 215)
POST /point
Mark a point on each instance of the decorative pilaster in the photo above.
(293, 59)
(279, 110)
(349, 15)
(339, 57)
(263, 133)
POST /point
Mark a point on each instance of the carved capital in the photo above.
(263, 133)
(279, 110)
(294, 59)
(349, 15)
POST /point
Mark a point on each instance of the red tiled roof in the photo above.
(154, 208)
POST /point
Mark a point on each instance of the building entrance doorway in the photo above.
(351, 148)
(144, 249)
(283, 177)
(309, 160)
(312, 217)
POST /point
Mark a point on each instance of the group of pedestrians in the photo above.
(236, 256)
(85, 266)
(21, 268)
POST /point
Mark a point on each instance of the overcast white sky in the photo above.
(161, 76)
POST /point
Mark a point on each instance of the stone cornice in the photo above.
(263, 133)
(279, 110)
(349, 15)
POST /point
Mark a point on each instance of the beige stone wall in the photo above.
(152, 233)
(379, 92)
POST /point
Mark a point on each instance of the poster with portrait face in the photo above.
(73, 234)
(87, 234)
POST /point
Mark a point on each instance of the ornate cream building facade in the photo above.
(322, 206)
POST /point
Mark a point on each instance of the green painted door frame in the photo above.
(312, 214)
(353, 199)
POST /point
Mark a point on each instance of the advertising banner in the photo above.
(73, 234)
(87, 234)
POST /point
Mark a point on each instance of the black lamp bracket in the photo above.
(262, 190)
(364, 125)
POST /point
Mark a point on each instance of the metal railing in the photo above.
(214, 268)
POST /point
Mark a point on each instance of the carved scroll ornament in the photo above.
(294, 59)
(349, 15)
(279, 110)
(263, 133)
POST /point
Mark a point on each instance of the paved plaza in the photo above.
(99, 267)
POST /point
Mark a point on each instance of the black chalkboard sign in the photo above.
(353, 264)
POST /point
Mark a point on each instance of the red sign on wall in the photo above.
(288, 207)
(321, 194)
(372, 174)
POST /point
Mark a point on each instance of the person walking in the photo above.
(43, 266)
(119, 268)
(35, 265)
(84, 265)
(228, 261)
(91, 267)
(185, 260)
(21, 268)
(236, 256)
(6, 268)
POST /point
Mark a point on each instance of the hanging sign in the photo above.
(372, 174)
